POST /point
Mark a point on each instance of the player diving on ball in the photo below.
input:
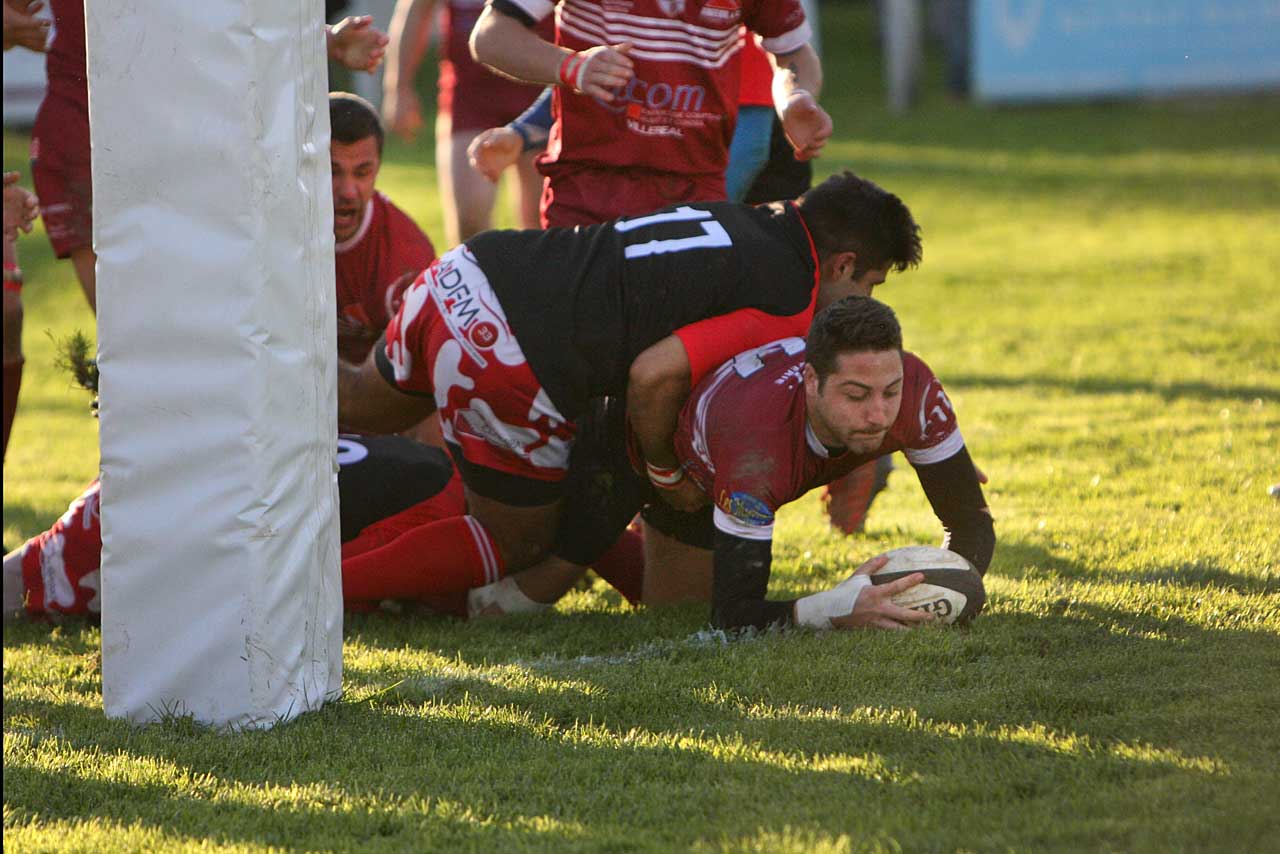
(761, 431)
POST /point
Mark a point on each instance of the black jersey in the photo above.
(584, 302)
(378, 476)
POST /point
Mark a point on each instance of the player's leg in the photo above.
(528, 186)
(57, 572)
(13, 359)
(85, 262)
(674, 571)
(471, 194)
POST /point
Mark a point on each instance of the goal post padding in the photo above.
(221, 588)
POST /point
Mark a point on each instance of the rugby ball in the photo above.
(952, 589)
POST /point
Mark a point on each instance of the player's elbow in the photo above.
(656, 374)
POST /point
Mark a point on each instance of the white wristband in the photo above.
(817, 610)
(506, 595)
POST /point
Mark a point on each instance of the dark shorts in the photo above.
(604, 493)
(60, 170)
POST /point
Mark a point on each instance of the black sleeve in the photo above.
(956, 496)
(511, 10)
(739, 585)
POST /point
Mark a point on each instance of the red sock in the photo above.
(623, 565)
(448, 556)
(12, 382)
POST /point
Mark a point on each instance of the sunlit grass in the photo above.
(1099, 295)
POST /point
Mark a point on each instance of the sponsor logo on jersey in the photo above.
(639, 93)
(721, 12)
(747, 509)
(483, 334)
(671, 8)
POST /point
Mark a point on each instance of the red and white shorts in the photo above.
(60, 568)
(451, 339)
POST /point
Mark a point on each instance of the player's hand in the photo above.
(357, 44)
(874, 606)
(22, 28)
(20, 207)
(684, 496)
(807, 125)
(402, 111)
(599, 70)
(981, 475)
(493, 150)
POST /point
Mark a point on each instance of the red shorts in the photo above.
(451, 339)
(61, 173)
(476, 99)
(587, 196)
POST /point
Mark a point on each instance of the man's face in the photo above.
(858, 401)
(355, 168)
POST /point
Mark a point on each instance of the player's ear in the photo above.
(811, 380)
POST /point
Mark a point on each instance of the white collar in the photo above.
(360, 232)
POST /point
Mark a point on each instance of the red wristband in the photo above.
(664, 478)
(569, 69)
(12, 278)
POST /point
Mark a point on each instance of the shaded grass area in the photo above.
(1099, 297)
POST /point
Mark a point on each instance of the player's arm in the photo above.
(368, 401)
(797, 82)
(657, 387)
(741, 581)
(503, 39)
(410, 32)
(955, 493)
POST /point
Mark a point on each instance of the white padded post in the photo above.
(221, 592)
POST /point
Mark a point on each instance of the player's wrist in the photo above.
(572, 69)
(664, 477)
(817, 610)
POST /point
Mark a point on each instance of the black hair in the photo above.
(352, 118)
(851, 325)
(846, 213)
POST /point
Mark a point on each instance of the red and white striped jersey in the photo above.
(677, 114)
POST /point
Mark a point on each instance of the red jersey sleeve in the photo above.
(715, 340)
(411, 251)
(780, 23)
(406, 339)
(926, 426)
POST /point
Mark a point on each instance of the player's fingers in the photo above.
(907, 615)
(893, 588)
(982, 476)
(10, 178)
(871, 565)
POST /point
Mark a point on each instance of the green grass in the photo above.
(1100, 296)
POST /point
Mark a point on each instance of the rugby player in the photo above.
(646, 99)
(378, 249)
(471, 98)
(764, 429)
(388, 486)
(510, 335)
(20, 210)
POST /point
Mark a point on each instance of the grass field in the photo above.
(1100, 296)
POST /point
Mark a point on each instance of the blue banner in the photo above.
(1042, 49)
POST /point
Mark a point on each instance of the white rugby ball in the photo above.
(952, 589)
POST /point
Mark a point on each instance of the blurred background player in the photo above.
(21, 29)
(646, 100)
(20, 210)
(60, 164)
(378, 249)
(470, 98)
